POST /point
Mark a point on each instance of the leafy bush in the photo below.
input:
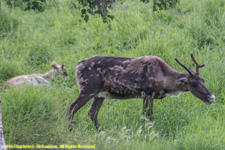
(164, 4)
(94, 7)
(35, 4)
(27, 4)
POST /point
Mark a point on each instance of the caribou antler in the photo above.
(197, 65)
(190, 70)
(183, 66)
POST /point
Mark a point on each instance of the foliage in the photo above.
(35, 4)
(27, 4)
(38, 115)
(101, 7)
(95, 7)
(164, 4)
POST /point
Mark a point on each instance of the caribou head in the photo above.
(196, 84)
(60, 70)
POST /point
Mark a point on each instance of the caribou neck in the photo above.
(172, 82)
(49, 75)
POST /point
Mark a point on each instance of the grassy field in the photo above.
(31, 40)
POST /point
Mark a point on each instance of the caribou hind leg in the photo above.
(93, 112)
(81, 100)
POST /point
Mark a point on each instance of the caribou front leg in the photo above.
(149, 113)
(144, 105)
(147, 106)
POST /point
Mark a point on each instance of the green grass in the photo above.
(31, 40)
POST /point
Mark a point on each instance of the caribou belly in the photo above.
(174, 93)
(106, 94)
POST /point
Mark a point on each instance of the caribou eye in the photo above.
(194, 84)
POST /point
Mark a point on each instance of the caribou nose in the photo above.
(211, 98)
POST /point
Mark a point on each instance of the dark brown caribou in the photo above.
(147, 77)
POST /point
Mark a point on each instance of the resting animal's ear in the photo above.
(54, 65)
(181, 81)
(62, 66)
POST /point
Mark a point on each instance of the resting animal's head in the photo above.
(60, 70)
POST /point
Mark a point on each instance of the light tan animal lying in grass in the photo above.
(37, 79)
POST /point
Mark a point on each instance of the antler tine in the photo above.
(197, 65)
(183, 66)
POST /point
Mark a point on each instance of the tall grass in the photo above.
(38, 115)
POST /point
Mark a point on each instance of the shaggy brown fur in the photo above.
(148, 77)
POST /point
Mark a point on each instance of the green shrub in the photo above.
(94, 7)
(164, 4)
(27, 4)
(35, 4)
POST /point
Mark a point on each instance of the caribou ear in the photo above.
(193, 72)
(54, 65)
(181, 81)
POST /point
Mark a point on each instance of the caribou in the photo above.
(37, 79)
(147, 77)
